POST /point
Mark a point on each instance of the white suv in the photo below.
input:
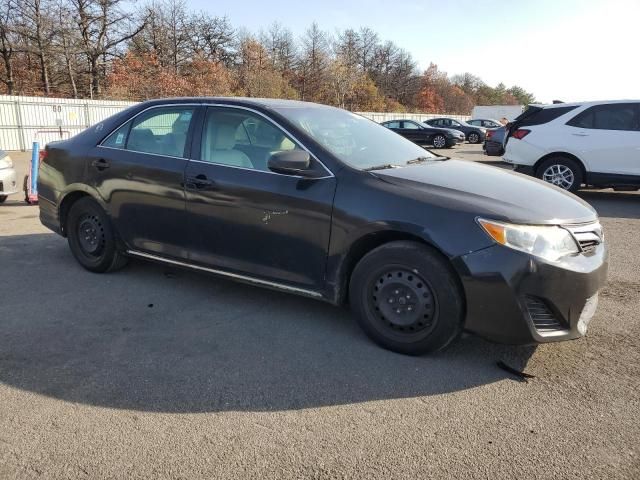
(593, 143)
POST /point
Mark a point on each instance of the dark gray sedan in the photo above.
(472, 134)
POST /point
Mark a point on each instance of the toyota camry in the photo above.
(318, 201)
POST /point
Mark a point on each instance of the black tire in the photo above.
(431, 315)
(439, 141)
(473, 137)
(3, 198)
(563, 172)
(91, 237)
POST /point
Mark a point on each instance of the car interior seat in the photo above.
(218, 147)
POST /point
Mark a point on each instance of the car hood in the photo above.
(492, 192)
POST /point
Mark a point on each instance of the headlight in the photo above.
(6, 162)
(548, 242)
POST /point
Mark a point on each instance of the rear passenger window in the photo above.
(410, 126)
(161, 131)
(395, 125)
(620, 116)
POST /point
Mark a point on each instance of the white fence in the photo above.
(24, 120)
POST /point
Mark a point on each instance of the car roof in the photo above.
(580, 104)
(247, 101)
(402, 120)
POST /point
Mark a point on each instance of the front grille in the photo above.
(588, 236)
(543, 318)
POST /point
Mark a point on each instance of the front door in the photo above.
(246, 219)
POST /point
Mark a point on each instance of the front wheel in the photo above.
(562, 172)
(474, 137)
(439, 141)
(407, 298)
(91, 237)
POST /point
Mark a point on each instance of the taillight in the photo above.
(42, 155)
(489, 134)
(520, 133)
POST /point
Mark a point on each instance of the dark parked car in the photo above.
(494, 142)
(321, 202)
(424, 134)
(472, 134)
(484, 122)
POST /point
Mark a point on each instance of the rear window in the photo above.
(618, 116)
(541, 115)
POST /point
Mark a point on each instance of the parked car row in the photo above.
(438, 132)
(576, 144)
(423, 134)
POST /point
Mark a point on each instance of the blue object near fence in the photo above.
(35, 154)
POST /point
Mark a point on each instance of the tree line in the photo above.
(109, 49)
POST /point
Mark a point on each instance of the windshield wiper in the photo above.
(384, 166)
(419, 160)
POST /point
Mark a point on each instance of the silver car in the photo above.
(8, 184)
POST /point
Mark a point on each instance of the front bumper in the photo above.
(516, 298)
(8, 182)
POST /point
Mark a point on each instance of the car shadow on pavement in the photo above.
(152, 339)
(613, 204)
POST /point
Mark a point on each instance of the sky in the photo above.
(567, 50)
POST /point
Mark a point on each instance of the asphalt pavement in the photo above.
(154, 372)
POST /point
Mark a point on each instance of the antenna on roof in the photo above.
(557, 101)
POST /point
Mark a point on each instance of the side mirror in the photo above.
(291, 162)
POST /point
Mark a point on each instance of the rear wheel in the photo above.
(91, 237)
(474, 138)
(407, 298)
(3, 198)
(439, 141)
(562, 172)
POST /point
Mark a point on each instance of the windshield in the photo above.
(355, 140)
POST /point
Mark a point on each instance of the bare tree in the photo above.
(313, 63)
(279, 43)
(368, 41)
(348, 48)
(7, 44)
(66, 44)
(103, 27)
(212, 37)
(36, 28)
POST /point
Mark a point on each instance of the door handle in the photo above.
(199, 181)
(581, 134)
(100, 164)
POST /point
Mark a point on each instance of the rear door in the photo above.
(244, 218)
(607, 138)
(139, 171)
